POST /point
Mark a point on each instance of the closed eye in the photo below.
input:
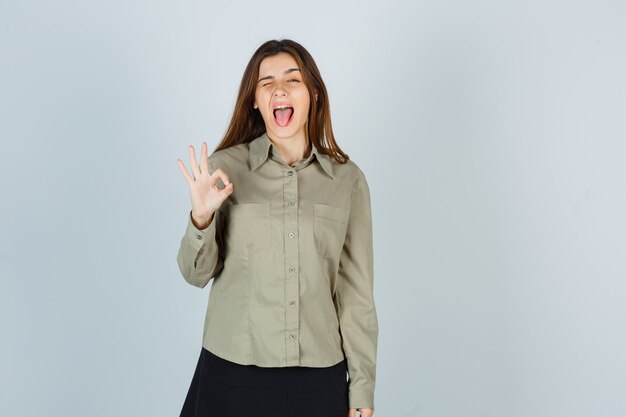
(289, 80)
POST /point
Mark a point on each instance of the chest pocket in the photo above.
(249, 227)
(329, 229)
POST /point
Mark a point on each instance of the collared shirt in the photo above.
(290, 253)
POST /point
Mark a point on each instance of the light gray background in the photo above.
(492, 136)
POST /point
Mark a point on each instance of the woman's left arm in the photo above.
(355, 298)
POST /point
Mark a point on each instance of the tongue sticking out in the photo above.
(283, 116)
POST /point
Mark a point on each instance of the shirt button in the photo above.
(291, 269)
(199, 237)
(292, 303)
(292, 234)
(290, 173)
(292, 336)
(291, 203)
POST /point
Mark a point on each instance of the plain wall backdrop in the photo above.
(492, 134)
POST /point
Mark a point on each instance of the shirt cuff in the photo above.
(198, 237)
(361, 398)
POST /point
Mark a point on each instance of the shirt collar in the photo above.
(259, 150)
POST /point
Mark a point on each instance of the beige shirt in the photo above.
(291, 257)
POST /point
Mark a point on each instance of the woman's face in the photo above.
(280, 82)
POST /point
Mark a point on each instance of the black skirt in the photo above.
(221, 388)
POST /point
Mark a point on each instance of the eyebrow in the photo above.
(271, 76)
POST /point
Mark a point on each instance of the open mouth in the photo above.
(283, 116)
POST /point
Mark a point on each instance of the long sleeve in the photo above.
(201, 254)
(355, 299)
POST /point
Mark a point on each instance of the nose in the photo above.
(280, 90)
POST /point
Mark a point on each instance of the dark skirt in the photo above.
(221, 388)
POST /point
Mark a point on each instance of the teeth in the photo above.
(282, 106)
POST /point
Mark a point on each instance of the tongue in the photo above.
(282, 116)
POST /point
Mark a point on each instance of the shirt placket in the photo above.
(292, 256)
(292, 262)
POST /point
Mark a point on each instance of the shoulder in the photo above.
(232, 156)
(350, 170)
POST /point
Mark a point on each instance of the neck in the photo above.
(292, 149)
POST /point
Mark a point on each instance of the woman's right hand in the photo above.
(206, 198)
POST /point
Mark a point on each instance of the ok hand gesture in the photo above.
(206, 197)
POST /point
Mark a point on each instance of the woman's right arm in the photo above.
(201, 256)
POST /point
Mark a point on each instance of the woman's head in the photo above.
(281, 83)
(282, 71)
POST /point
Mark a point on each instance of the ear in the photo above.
(255, 105)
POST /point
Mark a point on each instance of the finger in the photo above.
(220, 173)
(225, 192)
(204, 159)
(183, 169)
(193, 162)
(352, 412)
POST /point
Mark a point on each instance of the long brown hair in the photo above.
(247, 122)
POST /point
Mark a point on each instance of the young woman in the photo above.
(281, 221)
